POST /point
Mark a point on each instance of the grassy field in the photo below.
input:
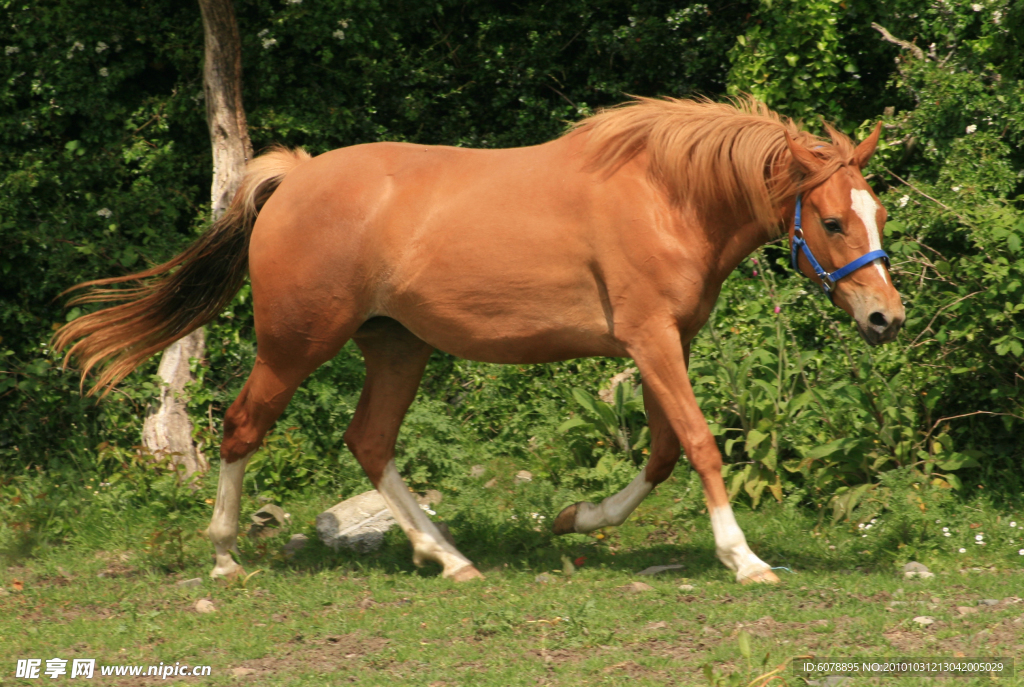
(333, 618)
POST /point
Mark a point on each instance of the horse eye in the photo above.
(833, 226)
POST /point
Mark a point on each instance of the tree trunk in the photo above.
(167, 429)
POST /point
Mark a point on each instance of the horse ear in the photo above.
(867, 147)
(803, 158)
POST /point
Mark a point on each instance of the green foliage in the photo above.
(105, 168)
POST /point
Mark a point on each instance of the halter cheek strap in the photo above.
(828, 279)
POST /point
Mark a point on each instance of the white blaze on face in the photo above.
(866, 208)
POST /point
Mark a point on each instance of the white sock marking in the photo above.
(615, 509)
(731, 545)
(223, 530)
(866, 208)
(427, 542)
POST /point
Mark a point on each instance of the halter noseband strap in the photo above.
(828, 279)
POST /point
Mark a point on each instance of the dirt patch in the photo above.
(336, 654)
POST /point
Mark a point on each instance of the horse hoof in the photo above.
(227, 574)
(765, 576)
(465, 574)
(565, 523)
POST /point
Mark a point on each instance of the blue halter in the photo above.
(828, 279)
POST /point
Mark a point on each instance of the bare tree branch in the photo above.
(917, 52)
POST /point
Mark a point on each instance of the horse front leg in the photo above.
(666, 380)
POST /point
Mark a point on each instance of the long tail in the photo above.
(177, 297)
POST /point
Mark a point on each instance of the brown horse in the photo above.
(612, 240)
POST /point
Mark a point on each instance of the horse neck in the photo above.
(731, 239)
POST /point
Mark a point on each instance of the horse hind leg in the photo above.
(266, 393)
(395, 360)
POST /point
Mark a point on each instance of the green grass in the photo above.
(109, 593)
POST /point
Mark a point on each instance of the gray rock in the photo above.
(914, 566)
(544, 578)
(655, 569)
(477, 471)
(925, 620)
(988, 602)
(190, 584)
(295, 544)
(205, 606)
(270, 515)
(636, 587)
(358, 523)
(919, 574)
(686, 587)
(523, 476)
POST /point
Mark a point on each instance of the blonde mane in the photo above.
(713, 156)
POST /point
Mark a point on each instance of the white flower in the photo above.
(267, 42)
(963, 550)
(101, 46)
(946, 534)
(976, 7)
(860, 526)
(956, 188)
(937, 522)
(945, 529)
(77, 45)
(104, 73)
(1021, 552)
(997, 17)
(12, 50)
(294, 2)
(972, 128)
(873, 520)
(339, 34)
(903, 201)
(979, 537)
(1013, 524)
(104, 212)
(867, 527)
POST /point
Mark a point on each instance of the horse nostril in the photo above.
(878, 319)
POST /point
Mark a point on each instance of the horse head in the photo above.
(836, 238)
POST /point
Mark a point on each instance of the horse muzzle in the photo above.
(880, 326)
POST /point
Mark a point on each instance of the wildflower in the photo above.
(753, 260)
(946, 534)
(339, 34)
(104, 73)
(12, 50)
(1021, 552)
(860, 526)
(903, 201)
(956, 188)
(867, 527)
(268, 42)
(979, 537)
(101, 46)
(977, 7)
(937, 522)
(945, 529)
(874, 520)
(755, 273)
(104, 212)
(962, 550)
(1013, 524)
(997, 17)
(972, 128)
(777, 310)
